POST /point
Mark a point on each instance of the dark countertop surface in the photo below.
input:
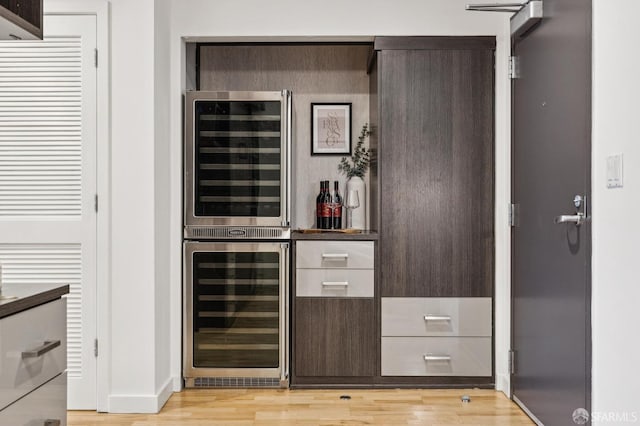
(328, 235)
(27, 296)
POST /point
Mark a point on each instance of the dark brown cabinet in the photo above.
(335, 320)
(20, 19)
(335, 337)
(432, 110)
(427, 317)
(435, 147)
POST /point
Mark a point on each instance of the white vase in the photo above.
(359, 214)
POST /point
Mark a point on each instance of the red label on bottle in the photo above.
(337, 212)
(325, 210)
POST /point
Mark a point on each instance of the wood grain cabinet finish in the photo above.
(335, 337)
(435, 165)
(335, 321)
(21, 18)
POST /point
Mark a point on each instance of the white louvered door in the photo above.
(48, 178)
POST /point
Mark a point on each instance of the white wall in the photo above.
(295, 20)
(616, 282)
(162, 24)
(133, 233)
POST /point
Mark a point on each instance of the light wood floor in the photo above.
(320, 407)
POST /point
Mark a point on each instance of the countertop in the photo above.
(328, 235)
(28, 295)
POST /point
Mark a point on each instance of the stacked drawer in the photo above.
(33, 360)
(334, 320)
(436, 336)
(334, 269)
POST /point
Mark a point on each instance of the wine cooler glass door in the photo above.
(238, 152)
(236, 316)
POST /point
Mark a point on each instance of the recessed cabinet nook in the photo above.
(409, 301)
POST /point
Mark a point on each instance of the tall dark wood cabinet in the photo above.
(432, 109)
(436, 169)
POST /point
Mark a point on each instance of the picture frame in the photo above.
(331, 128)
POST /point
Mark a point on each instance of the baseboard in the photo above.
(503, 384)
(165, 393)
(141, 404)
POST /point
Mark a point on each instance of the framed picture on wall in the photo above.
(331, 129)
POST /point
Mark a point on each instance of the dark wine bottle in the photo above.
(326, 209)
(337, 211)
(319, 200)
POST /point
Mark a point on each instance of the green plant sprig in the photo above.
(359, 159)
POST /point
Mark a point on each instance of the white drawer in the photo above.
(436, 316)
(46, 406)
(334, 254)
(436, 356)
(28, 331)
(334, 282)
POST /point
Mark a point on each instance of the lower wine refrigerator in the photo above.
(235, 314)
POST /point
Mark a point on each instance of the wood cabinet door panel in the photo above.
(436, 172)
(335, 337)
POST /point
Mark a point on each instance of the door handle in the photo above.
(335, 256)
(581, 216)
(431, 317)
(41, 350)
(433, 357)
(578, 219)
(335, 283)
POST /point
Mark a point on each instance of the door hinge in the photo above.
(514, 213)
(95, 203)
(512, 361)
(95, 57)
(514, 67)
(95, 347)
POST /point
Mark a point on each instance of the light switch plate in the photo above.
(614, 171)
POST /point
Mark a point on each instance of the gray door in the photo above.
(551, 262)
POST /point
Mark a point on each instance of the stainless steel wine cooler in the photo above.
(236, 323)
(236, 230)
(237, 164)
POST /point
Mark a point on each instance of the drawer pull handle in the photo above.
(332, 256)
(52, 422)
(41, 350)
(335, 283)
(432, 357)
(430, 317)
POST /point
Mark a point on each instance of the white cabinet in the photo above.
(335, 268)
(436, 336)
(33, 361)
